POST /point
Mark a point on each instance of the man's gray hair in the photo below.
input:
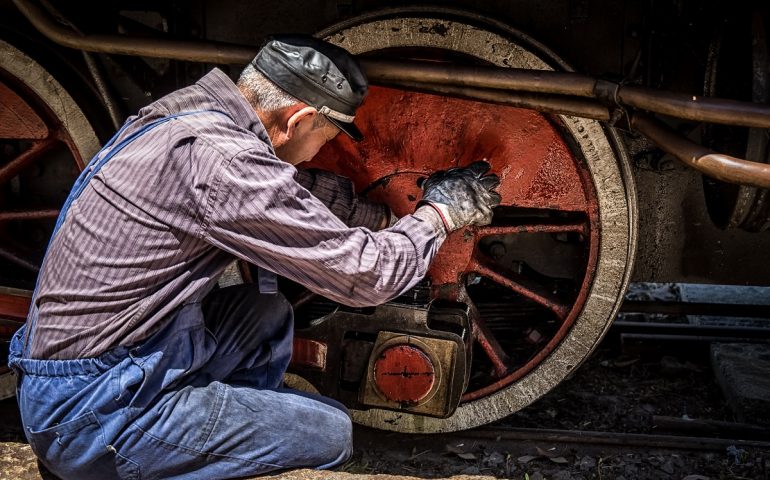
(263, 94)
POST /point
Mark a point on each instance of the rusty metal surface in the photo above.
(536, 168)
(722, 167)
(26, 158)
(35, 172)
(404, 374)
(374, 34)
(308, 353)
(356, 343)
(414, 373)
(14, 304)
(432, 133)
(17, 119)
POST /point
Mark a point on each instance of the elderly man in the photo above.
(132, 363)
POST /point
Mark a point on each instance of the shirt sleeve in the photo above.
(339, 196)
(257, 211)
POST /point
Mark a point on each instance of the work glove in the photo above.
(462, 196)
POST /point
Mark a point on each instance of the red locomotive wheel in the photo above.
(44, 138)
(546, 278)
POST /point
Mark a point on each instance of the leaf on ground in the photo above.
(560, 460)
(467, 456)
(526, 458)
(455, 448)
(546, 453)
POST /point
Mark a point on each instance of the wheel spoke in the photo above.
(486, 339)
(28, 215)
(535, 227)
(524, 287)
(29, 156)
(13, 258)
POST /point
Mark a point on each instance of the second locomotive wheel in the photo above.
(45, 139)
(544, 281)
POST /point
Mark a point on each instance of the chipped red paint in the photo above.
(404, 374)
(410, 135)
(308, 353)
(17, 119)
(14, 307)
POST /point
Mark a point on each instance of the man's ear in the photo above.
(301, 119)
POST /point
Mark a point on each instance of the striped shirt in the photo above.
(156, 227)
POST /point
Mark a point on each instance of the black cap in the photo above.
(318, 73)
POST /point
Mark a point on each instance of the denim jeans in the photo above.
(202, 398)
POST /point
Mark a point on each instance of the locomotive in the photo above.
(630, 137)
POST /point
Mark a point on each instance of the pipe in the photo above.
(193, 51)
(478, 76)
(548, 104)
(101, 86)
(463, 81)
(706, 161)
(712, 110)
(688, 107)
(700, 109)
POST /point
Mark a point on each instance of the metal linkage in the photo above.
(547, 91)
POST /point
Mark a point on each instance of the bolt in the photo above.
(533, 336)
(497, 250)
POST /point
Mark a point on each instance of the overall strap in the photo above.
(110, 149)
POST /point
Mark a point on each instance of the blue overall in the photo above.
(202, 398)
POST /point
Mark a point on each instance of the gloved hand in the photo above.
(462, 196)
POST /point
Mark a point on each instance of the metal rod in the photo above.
(719, 166)
(193, 51)
(469, 77)
(13, 258)
(685, 308)
(690, 330)
(548, 104)
(699, 109)
(687, 339)
(12, 168)
(711, 427)
(610, 438)
(477, 76)
(101, 85)
(28, 215)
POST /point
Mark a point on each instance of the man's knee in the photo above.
(334, 440)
